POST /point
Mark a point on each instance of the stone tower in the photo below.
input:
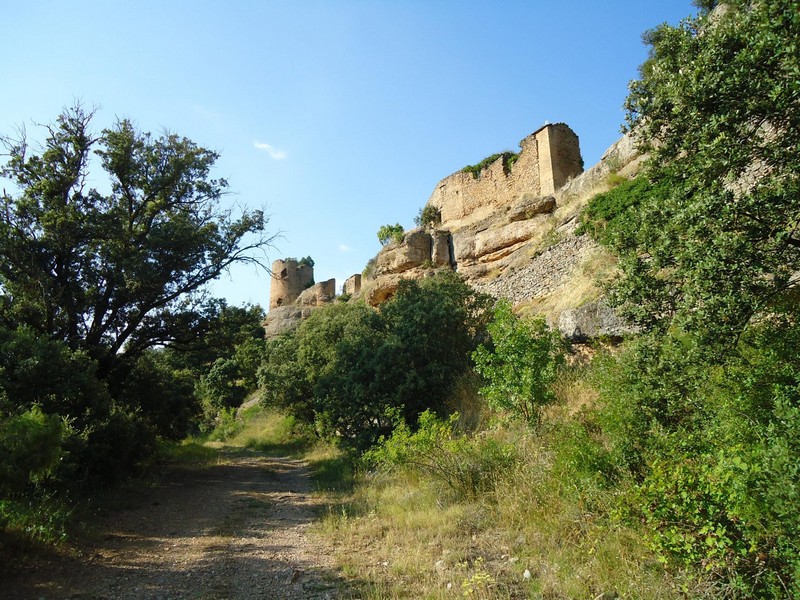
(289, 279)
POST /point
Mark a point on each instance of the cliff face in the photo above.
(510, 231)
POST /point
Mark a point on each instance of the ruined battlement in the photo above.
(548, 158)
(289, 279)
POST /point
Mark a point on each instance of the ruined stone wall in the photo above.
(559, 157)
(289, 279)
(352, 286)
(318, 294)
(548, 158)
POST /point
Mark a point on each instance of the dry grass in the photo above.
(542, 532)
(585, 285)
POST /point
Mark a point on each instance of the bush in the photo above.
(521, 364)
(428, 215)
(713, 445)
(467, 466)
(388, 233)
(30, 449)
(356, 373)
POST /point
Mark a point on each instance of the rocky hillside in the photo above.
(513, 241)
(507, 225)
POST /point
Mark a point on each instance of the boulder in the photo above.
(413, 251)
(529, 206)
(281, 319)
(592, 320)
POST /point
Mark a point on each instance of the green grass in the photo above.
(35, 521)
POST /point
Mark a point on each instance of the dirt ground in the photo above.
(240, 529)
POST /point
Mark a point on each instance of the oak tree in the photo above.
(121, 267)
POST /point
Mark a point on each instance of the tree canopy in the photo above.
(717, 107)
(119, 271)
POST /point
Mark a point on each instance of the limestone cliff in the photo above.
(508, 229)
(510, 232)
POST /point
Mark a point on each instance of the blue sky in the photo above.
(337, 116)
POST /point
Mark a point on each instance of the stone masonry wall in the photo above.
(547, 159)
(289, 279)
(559, 157)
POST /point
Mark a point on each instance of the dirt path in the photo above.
(236, 530)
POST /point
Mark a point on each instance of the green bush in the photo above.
(610, 217)
(356, 373)
(713, 444)
(428, 215)
(388, 233)
(30, 448)
(467, 466)
(520, 365)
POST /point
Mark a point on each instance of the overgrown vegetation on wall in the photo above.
(508, 158)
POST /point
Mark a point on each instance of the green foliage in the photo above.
(714, 447)
(41, 519)
(520, 365)
(716, 107)
(160, 226)
(610, 217)
(467, 466)
(306, 261)
(220, 387)
(389, 233)
(428, 215)
(508, 158)
(356, 373)
(369, 269)
(30, 446)
(161, 396)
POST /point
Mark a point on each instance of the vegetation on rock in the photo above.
(389, 233)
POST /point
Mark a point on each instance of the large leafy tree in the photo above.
(718, 109)
(122, 268)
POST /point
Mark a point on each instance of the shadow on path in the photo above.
(239, 529)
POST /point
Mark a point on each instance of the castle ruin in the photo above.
(289, 279)
(548, 158)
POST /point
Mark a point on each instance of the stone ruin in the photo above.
(293, 294)
(508, 230)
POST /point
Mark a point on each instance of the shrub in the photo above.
(388, 233)
(467, 466)
(520, 365)
(30, 447)
(356, 373)
(428, 215)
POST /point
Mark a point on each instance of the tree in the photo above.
(356, 372)
(119, 272)
(717, 107)
(428, 215)
(521, 364)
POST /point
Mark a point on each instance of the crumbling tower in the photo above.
(289, 279)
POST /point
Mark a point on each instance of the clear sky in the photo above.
(337, 116)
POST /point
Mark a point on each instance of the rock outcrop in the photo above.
(592, 320)
(510, 230)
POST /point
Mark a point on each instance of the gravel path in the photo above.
(236, 530)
